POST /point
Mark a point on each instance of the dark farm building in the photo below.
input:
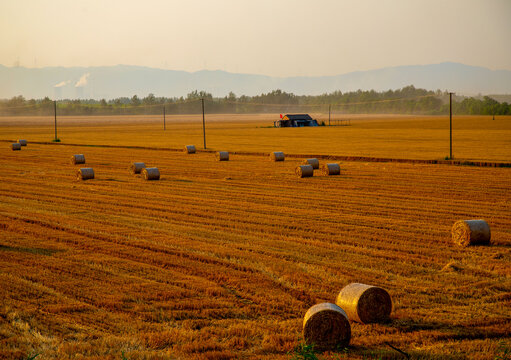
(295, 120)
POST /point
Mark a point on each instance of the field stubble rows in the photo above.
(222, 259)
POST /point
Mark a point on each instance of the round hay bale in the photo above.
(304, 171)
(222, 156)
(78, 159)
(365, 303)
(136, 167)
(85, 174)
(314, 162)
(471, 232)
(16, 146)
(151, 173)
(22, 142)
(326, 326)
(190, 149)
(277, 156)
(331, 169)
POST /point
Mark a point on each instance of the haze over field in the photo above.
(299, 46)
(126, 81)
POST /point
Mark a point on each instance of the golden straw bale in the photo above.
(151, 173)
(136, 167)
(331, 169)
(314, 162)
(222, 156)
(78, 159)
(304, 171)
(22, 142)
(471, 232)
(16, 146)
(365, 303)
(85, 174)
(190, 149)
(326, 326)
(277, 156)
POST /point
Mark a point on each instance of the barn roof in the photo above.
(297, 117)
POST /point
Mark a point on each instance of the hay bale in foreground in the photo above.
(136, 167)
(222, 156)
(190, 149)
(16, 146)
(304, 171)
(314, 162)
(365, 303)
(22, 142)
(471, 232)
(331, 169)
(326, 326)
(85, 174)
(151, 173)
(277, 156)
(78, 159)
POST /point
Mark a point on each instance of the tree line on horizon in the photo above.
(407, 100)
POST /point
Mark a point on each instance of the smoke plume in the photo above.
(62, 83)
(83, 80)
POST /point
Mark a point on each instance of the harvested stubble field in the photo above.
(221, 260)
(476, 138)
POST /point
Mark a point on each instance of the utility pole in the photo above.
(164, 117)
(450, 126)
(329, 107)
(203, 124)
(55, 113)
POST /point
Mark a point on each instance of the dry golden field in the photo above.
(220, 260)
(476, 138)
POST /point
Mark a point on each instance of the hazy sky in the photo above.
(271, 37)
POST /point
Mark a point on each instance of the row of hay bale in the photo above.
(151, 173)
(307, 169)
(327, 325)
(17, 145)
(309, 165)
(220, 155)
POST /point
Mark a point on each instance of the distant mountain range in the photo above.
(122, 80)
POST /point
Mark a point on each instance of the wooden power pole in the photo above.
(55, 113)
(203, 124)
(450, 126)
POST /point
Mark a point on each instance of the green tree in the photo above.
(135, 101)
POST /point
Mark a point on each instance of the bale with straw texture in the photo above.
(365, 303)
(331, 169)
(222, 156)
(85, 174)
(277, 156)
(314, 162)
(190, 149)
(16, 146)
(22, 142)
(471, 232)
(326, 326)
(137, 167)
(304, 171)
(78, 159)
(151, 173)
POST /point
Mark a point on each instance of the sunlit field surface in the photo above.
(221, 260)
(476, 138)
